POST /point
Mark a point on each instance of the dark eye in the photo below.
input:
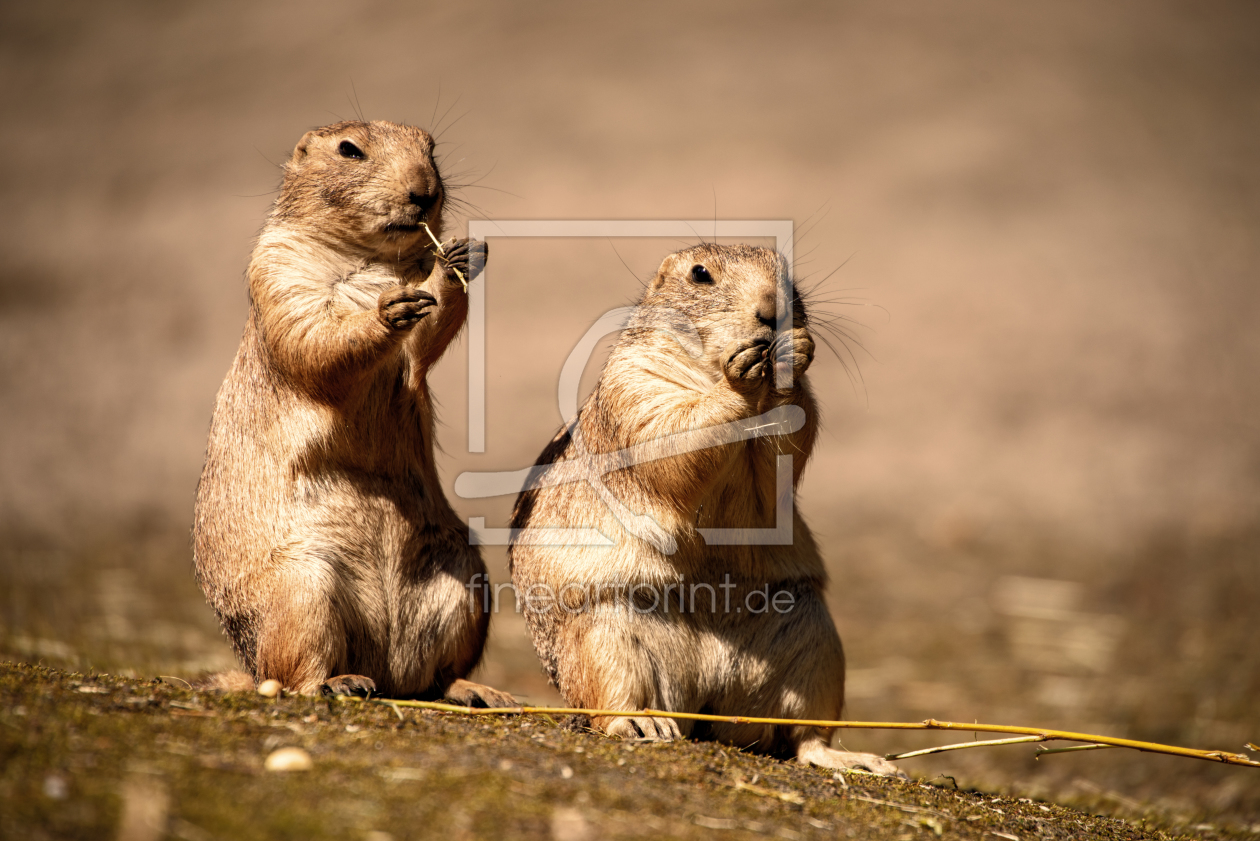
(699, 274)
(349, 150)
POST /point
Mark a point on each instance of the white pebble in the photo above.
(269, 688)
(289, 759)
(55, 787)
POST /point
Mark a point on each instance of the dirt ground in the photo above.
(1038, 485)
(87, 753)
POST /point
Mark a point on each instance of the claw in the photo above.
(442, 252)
(348, 685)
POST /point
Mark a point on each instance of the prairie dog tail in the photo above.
(233, 680)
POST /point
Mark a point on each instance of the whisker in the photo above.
(354, 103)
(622, 259)
(437, 128)
(806, 227)
(436, 102)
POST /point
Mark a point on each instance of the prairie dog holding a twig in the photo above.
(680, 439)
(322, 537)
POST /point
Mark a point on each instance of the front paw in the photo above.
(468, 257)
(358, 685)
(402, 307)
(745, 364)
(793, 351)
(815, 753)
(469, 694)
(642, 728)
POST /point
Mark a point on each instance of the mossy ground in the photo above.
(98, 756)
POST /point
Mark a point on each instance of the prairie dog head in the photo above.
(733, 295)
(363, 184)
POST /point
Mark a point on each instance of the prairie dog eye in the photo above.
(699, 274)
(349, 150)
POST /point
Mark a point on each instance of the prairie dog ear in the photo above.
(299, 151)
(663, 273)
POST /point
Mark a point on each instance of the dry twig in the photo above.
(761, 791)
(1041, 751)
(441, 252)
(942, 748)
(1038, 734)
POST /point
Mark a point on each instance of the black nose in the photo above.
(424, 202)
(767, 309)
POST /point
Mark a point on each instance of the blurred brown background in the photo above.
(1038, 485)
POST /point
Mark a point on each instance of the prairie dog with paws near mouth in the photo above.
(674, 616)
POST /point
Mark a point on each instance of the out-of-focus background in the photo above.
(1037, 487)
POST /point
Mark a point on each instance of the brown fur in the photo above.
(322, 537)
(703, 658)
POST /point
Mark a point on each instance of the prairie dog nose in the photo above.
(767, 309)
(424, 201)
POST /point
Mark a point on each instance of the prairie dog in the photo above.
(322, 538)
(671, 617)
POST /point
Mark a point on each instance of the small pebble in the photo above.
(289, 759)
(569, 825)
(269, 688)
(566, 772)
(55, 787)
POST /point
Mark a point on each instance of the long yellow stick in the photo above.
(1041, 734)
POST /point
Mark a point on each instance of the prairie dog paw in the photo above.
(825, 757)
(469, 694)
(745, 364)
(402, 307)
(467, 256)
(643, 728)
(792, 350)
(348, 685)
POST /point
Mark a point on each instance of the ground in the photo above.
(92, 756)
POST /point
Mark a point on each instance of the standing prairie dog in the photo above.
(666, 618)
(322, 537)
